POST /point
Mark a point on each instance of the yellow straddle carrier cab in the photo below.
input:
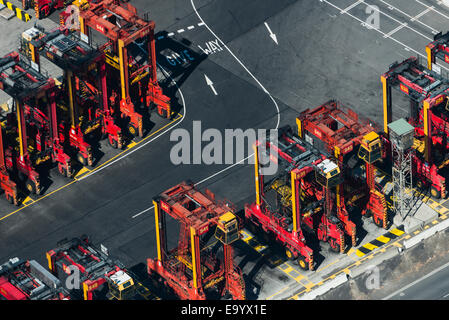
(121, 286)
(370, 148)
(327, 174)
(227, 230)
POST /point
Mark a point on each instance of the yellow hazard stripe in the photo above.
(370, 246)
(383, 239)
(397, 232)
(17, 11)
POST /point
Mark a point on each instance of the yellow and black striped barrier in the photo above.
(380, 241)
(22, 15)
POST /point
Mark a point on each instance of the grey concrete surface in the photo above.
(322, 54)
(399, 272)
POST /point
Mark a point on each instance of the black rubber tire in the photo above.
(112, 143)
(289, 254)
(333, 245)
(368, 214)
(10, 199)
(378, 223)
(302, 263)
(435, 193)
(162, 114)
(81, 159)
(31, 187)
(133, 130)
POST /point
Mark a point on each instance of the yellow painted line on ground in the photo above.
(309, 286)
(288, 269)
(370, 246)
(383, 239)
(426, 227)
(397, 232)
(299, 278)
(93, 170)
(279, 292)
(328, 265)
(27, 200)
(350, 251)
(82, 171)
(444, 210)
(434, 221)
(132, 145)
(443, 217)
(416, 232)
(359, 253)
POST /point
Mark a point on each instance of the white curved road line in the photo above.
(149, 141)
(240, 62)
(255, 79)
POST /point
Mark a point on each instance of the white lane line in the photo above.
(391, 7)
(255, 79)
(142, 212)
(181, 30)
(200, 182)
(149, 141)
(171, 34)
(433, 9)
(350, 7)
(241, 63)
(190, 27)
(406, 47)
(417, 281)
(395, 30)
(201, 24)
(400, 22)
(420, 15)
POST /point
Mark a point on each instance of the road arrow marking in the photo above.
(210, 84)
(272, 35)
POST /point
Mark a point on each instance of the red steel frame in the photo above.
(28, 280)
(178, 202)
(427, 90)
(439, 48)
(94, 266)
(78, 62)
(341, 131)
(12, 71)
(97, 16)
(301, 179)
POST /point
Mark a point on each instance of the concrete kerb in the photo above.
(376, 260)
(426, 234)
(328, 285)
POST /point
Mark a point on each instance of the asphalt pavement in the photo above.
(324, 51)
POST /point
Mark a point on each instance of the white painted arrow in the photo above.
(210, 84)
(272, 35)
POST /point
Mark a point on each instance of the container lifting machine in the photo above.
(340, 132)
(429, 114)
(28, 280)
(85, 85)
(438, 48)
(302, 197)
(95, 268)
(34, 96)
(191, 270)
(138, 80)
(43, 8)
